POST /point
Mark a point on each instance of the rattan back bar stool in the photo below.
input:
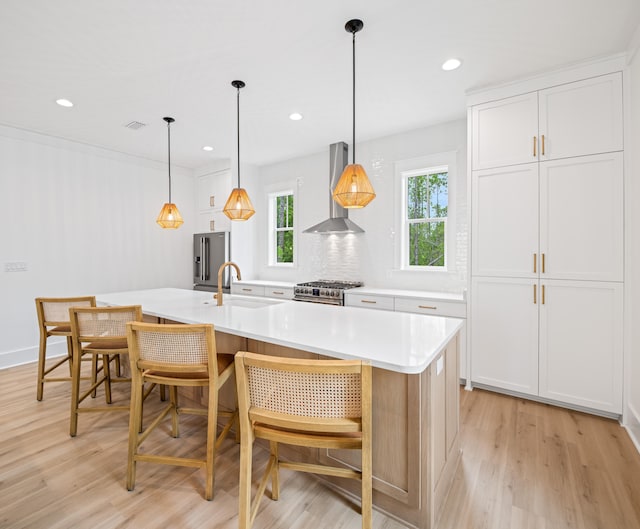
(53, 320)
(314, 403)
(177, 355)
(98, 332)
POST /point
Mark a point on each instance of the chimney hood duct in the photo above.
(338, 221)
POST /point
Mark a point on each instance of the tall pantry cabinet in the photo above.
(547, 242)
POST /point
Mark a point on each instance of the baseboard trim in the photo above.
(606, 414)
(30, 354)
(632, 425)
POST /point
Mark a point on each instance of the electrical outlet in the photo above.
(16, 266)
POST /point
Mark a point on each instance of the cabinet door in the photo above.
(504, 333)
(581, 218)
(504, 132)
(505, 221)
(580, 118)
(213, 190)
(581, 344)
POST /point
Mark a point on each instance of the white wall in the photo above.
(83, 219)
(370, 256)
(632, 225)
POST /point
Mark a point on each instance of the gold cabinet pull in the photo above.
(542, 145)
(247, 290)
(278, 293)
(535, 294)
(368, 301)
(535, 144)
(427, 307)
(535, 263)
(543, 263)
(543, 294)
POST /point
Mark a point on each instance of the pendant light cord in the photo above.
(354, 97)
(238, 117)
(169, 150)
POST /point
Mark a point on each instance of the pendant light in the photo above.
(169, 217)
(238, 206)
(354, 190)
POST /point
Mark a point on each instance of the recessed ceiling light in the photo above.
(451, 64)
(64, 102)
(207, 148)
(296, 116)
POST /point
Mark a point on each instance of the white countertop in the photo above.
(397, 341)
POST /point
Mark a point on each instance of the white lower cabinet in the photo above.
(276, 289)
(581, 344)
(368, 301)
(504, 333)
(247, 289)
(556, 339)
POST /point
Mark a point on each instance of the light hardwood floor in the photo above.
(525, 465)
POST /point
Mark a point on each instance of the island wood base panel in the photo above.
(416, 445)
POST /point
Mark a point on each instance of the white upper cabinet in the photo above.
(505, 132)
(212, 191)
(581, 218)
(505, 221)
(584, 117)
(572, 119)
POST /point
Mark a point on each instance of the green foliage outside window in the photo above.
(427, 204)
(284, 229)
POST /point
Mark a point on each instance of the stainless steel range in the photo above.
(323, 291)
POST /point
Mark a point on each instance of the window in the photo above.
(281, 232)
(426, 238)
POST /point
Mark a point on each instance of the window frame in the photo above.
(425, 165)
(272, 228)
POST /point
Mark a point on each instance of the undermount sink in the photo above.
(248, 303)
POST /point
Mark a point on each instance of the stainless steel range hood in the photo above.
(338, 221)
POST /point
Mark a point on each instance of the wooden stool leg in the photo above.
(106, 371)
(135, 425)
(42, 356)
(212, 425)
(70, 355)
(173, 396)
(75, 391)
(246, 455)
(275, 480)
(94, 374)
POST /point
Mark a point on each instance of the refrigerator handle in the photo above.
(203, 260)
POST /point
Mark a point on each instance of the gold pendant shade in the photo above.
(169, 217)
(238, 206)
(353, 190)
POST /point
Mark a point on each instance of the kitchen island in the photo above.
(415, 381)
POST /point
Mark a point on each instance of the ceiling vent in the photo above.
(135, 125)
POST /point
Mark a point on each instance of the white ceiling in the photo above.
(125, 60)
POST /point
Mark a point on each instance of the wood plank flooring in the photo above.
(525, 465)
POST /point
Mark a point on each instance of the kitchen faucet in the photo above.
(218, 296)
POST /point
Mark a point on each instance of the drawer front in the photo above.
(277, 292)
(431, 307)
(247, 290)
(369, 302)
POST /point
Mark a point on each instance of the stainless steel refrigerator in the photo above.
(210, 250)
